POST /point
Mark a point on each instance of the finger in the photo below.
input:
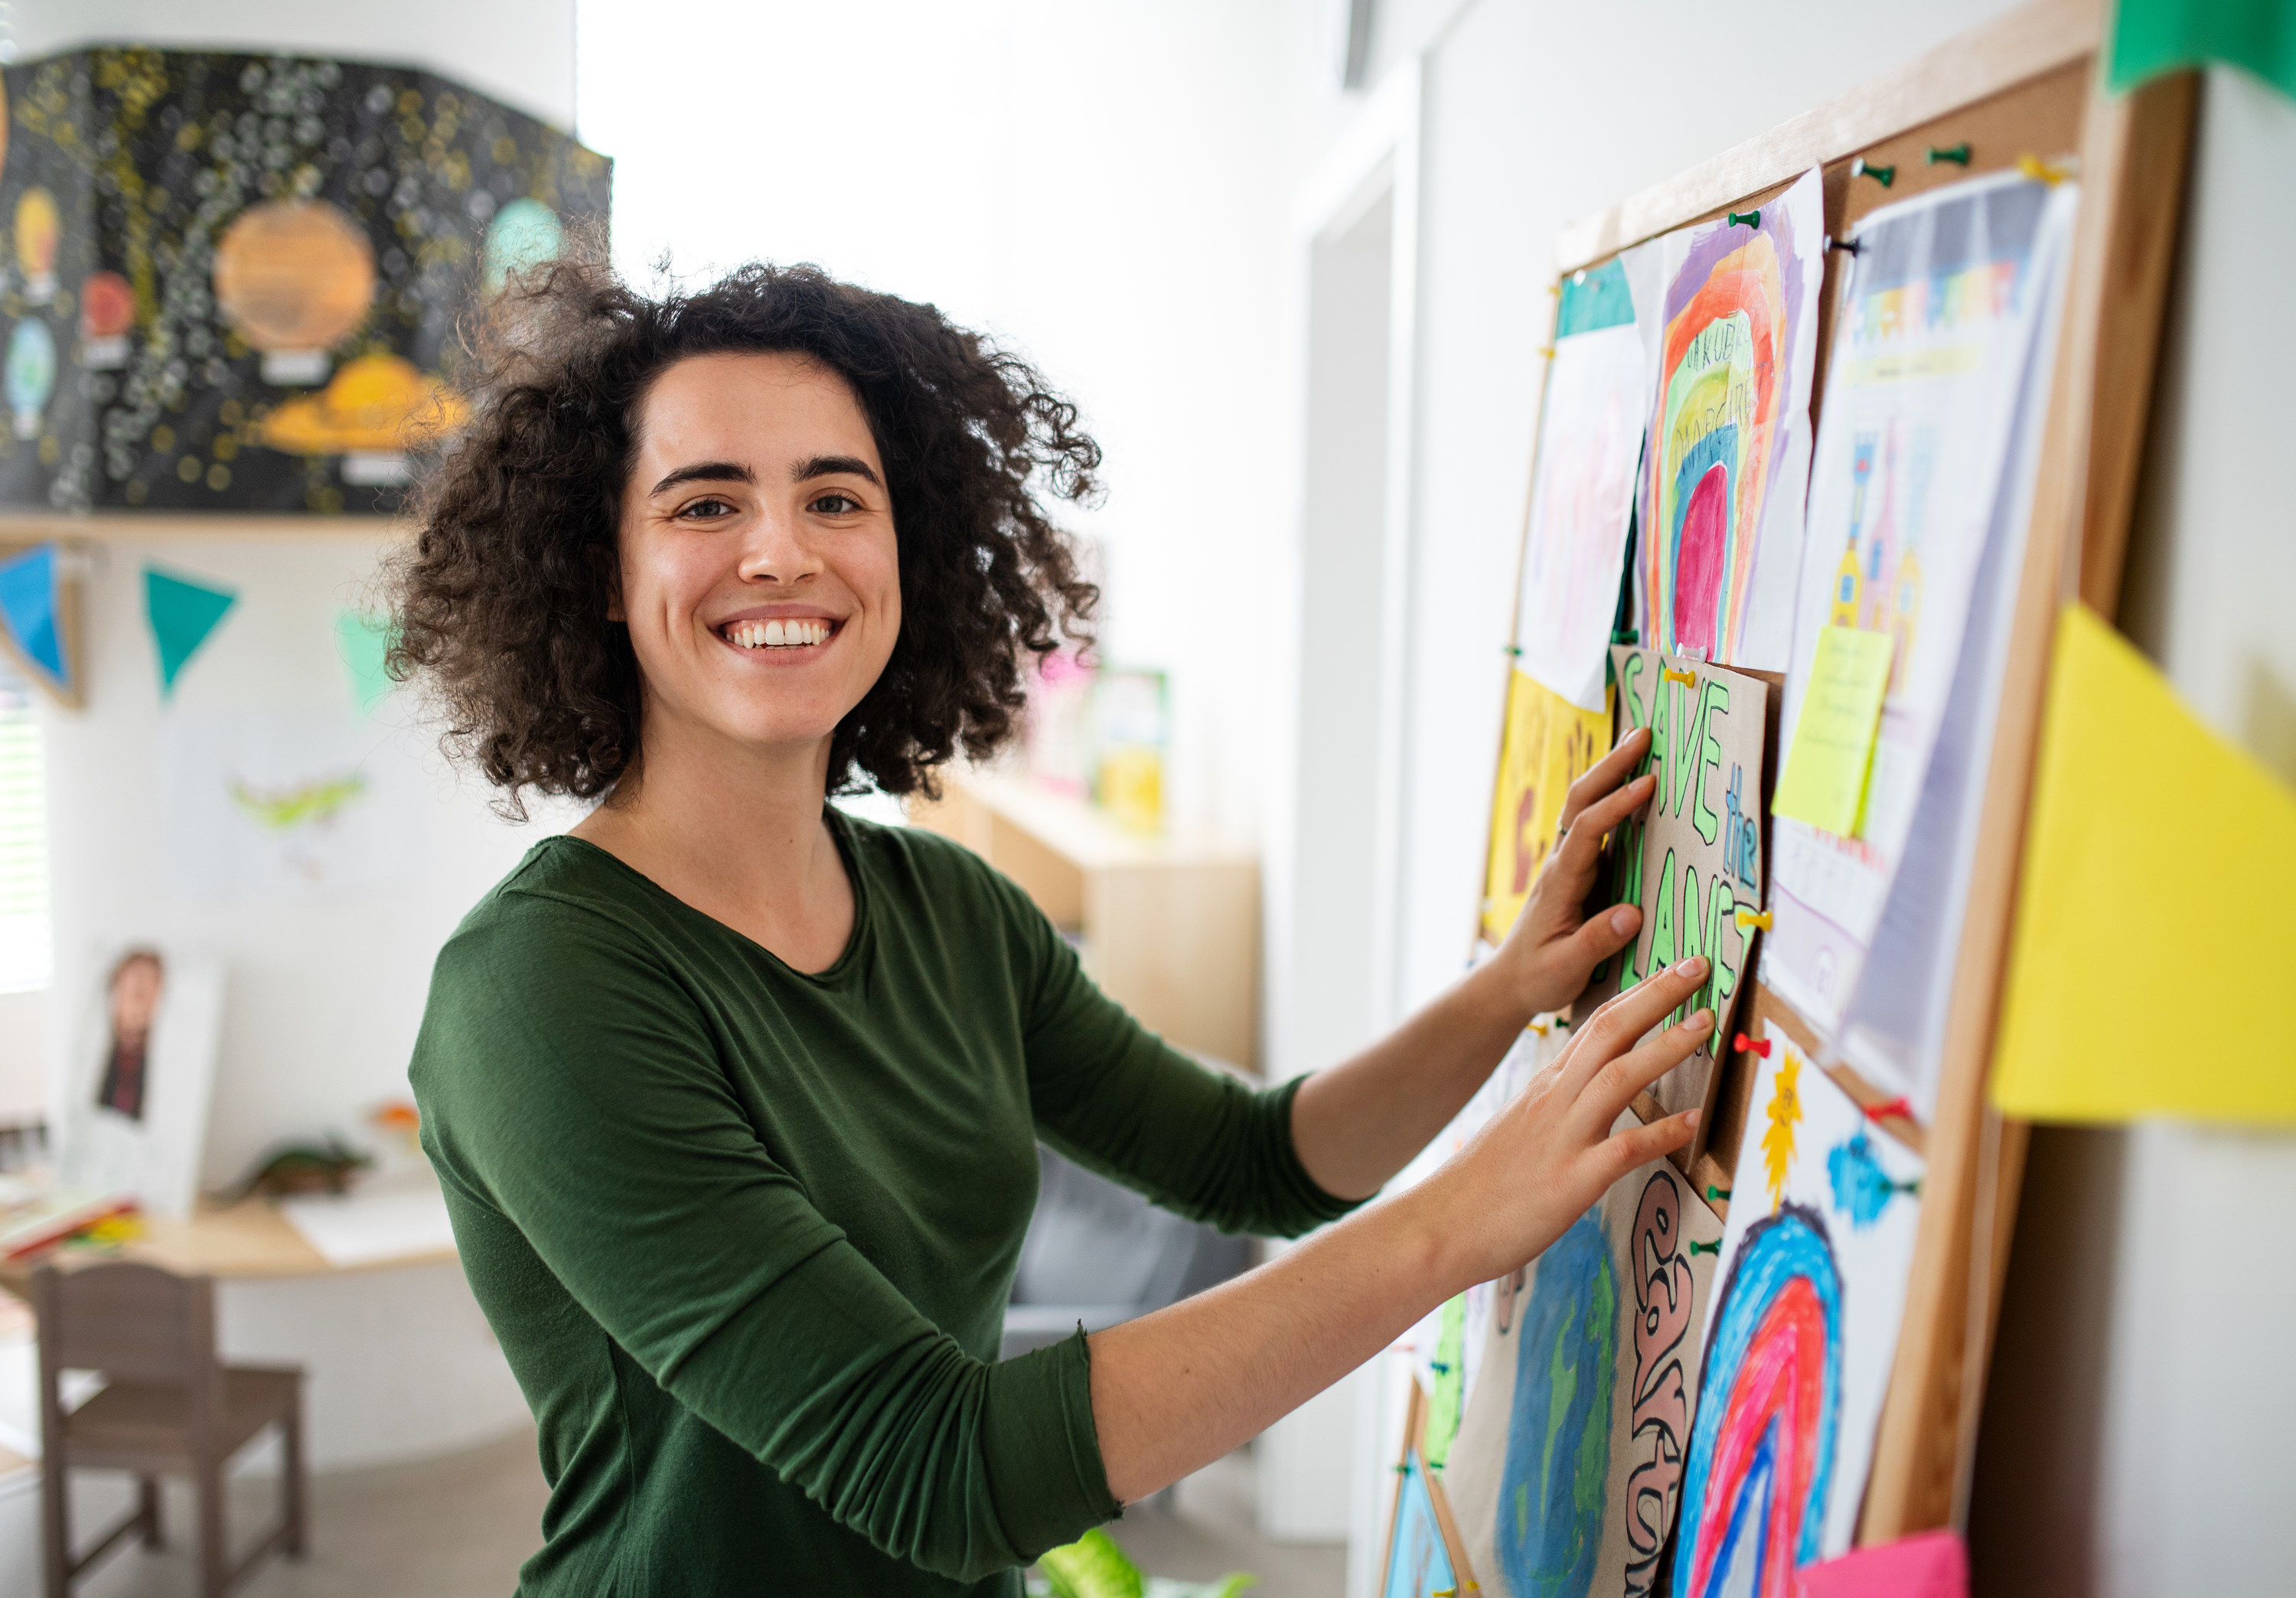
(1614, 1028)
(1614, 1086)
(1583, 838)
(1601, 937)
(1606, 774)
(1639, 1144)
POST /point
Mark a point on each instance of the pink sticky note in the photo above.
(1929, 1564)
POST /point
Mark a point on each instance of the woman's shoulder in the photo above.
(565, 897)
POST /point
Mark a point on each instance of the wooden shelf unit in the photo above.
(1169, 926)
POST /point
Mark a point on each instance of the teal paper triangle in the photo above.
(27, 605)
(364, 642)
(182, 614)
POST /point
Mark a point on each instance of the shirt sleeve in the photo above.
(569, 1082)
(1113, 1095)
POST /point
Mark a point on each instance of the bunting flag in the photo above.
(182, 613)
(30, 600)
(2153, 36)
(364, 642)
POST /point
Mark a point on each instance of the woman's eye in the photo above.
(707, 510)
(836, 504)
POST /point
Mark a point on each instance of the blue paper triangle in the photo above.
(182, 614)
(27, 605)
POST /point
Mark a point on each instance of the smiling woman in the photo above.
(736, 1099)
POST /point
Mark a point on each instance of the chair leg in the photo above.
(55, 1514)
(147, 1511)
(215, 1557)
(295, 1488)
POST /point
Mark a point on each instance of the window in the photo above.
(25, 947)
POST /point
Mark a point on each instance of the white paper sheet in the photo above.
(1800, 1333)
(1935, 339)
(1590, 442)
(364, 1228)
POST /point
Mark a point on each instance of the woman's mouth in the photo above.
(798, 632)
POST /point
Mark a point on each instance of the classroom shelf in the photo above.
(1167, 925)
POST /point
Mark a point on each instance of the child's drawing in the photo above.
(1727, 456)
(1800, 1338)
(1568, 1466)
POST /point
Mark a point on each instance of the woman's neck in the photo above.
(736, 831)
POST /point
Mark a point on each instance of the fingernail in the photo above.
(1690, 1117)
(1624, 919)
(1695, 966)
(1703, 1021)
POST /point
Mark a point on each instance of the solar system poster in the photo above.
(233, 282)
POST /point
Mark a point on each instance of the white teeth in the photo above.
(777, 635)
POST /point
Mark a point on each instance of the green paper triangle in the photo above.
(364, 642)
(182, 613)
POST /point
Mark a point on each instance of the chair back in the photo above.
(133, 1322)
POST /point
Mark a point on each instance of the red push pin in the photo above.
(1901, 1108)
(1747, 1046)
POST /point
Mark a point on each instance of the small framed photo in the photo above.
(140, 1075)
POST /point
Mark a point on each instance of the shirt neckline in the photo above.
(833, 974)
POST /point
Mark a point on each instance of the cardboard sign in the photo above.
(1692, 859)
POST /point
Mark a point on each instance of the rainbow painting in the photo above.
(1762, 1446)
(1728, 434)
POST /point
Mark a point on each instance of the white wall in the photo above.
(1095, 186)
(2135, 1444)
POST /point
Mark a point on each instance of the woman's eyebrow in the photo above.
(832, 466)
(708, 472)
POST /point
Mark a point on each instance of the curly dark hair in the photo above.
(500, 603)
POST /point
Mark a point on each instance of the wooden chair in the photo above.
(169, 1407)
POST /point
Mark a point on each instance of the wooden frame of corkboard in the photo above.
(2028, 84)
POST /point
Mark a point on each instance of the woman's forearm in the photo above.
(1359, 1122)
(1174, 1390)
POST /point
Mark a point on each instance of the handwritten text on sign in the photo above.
(1694, 855)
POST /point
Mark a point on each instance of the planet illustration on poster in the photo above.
(524, 234)
(370, 414)
(31, 374)
(294, 278)
(107, 310)
(39, 227)
(1553, 1485)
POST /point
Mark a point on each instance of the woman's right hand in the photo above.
(1546, 1157)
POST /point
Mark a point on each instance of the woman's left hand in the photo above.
(1554, 945)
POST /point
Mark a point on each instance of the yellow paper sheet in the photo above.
(2147, 976)
(1823, 782)
(1549, 745)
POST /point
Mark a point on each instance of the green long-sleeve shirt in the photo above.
(746, 1234)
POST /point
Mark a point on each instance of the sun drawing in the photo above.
(1785, 1115)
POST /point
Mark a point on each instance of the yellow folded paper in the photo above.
(1831, 754)
(2145, 978)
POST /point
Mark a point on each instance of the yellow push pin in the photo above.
(1753, 918)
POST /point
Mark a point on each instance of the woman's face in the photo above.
(760, 580)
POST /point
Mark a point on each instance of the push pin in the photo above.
(1743, 219)
(1713, 1192)
(1539, 1027)
(1847, 246)
(1958, 154)
(1747, 1045)
(1899, 1109)
(1753, 918)
(1884, 176)
(1697, 1248)
(2040, 171)
(1627, 635)
(1547, 350)
(1689, 679)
